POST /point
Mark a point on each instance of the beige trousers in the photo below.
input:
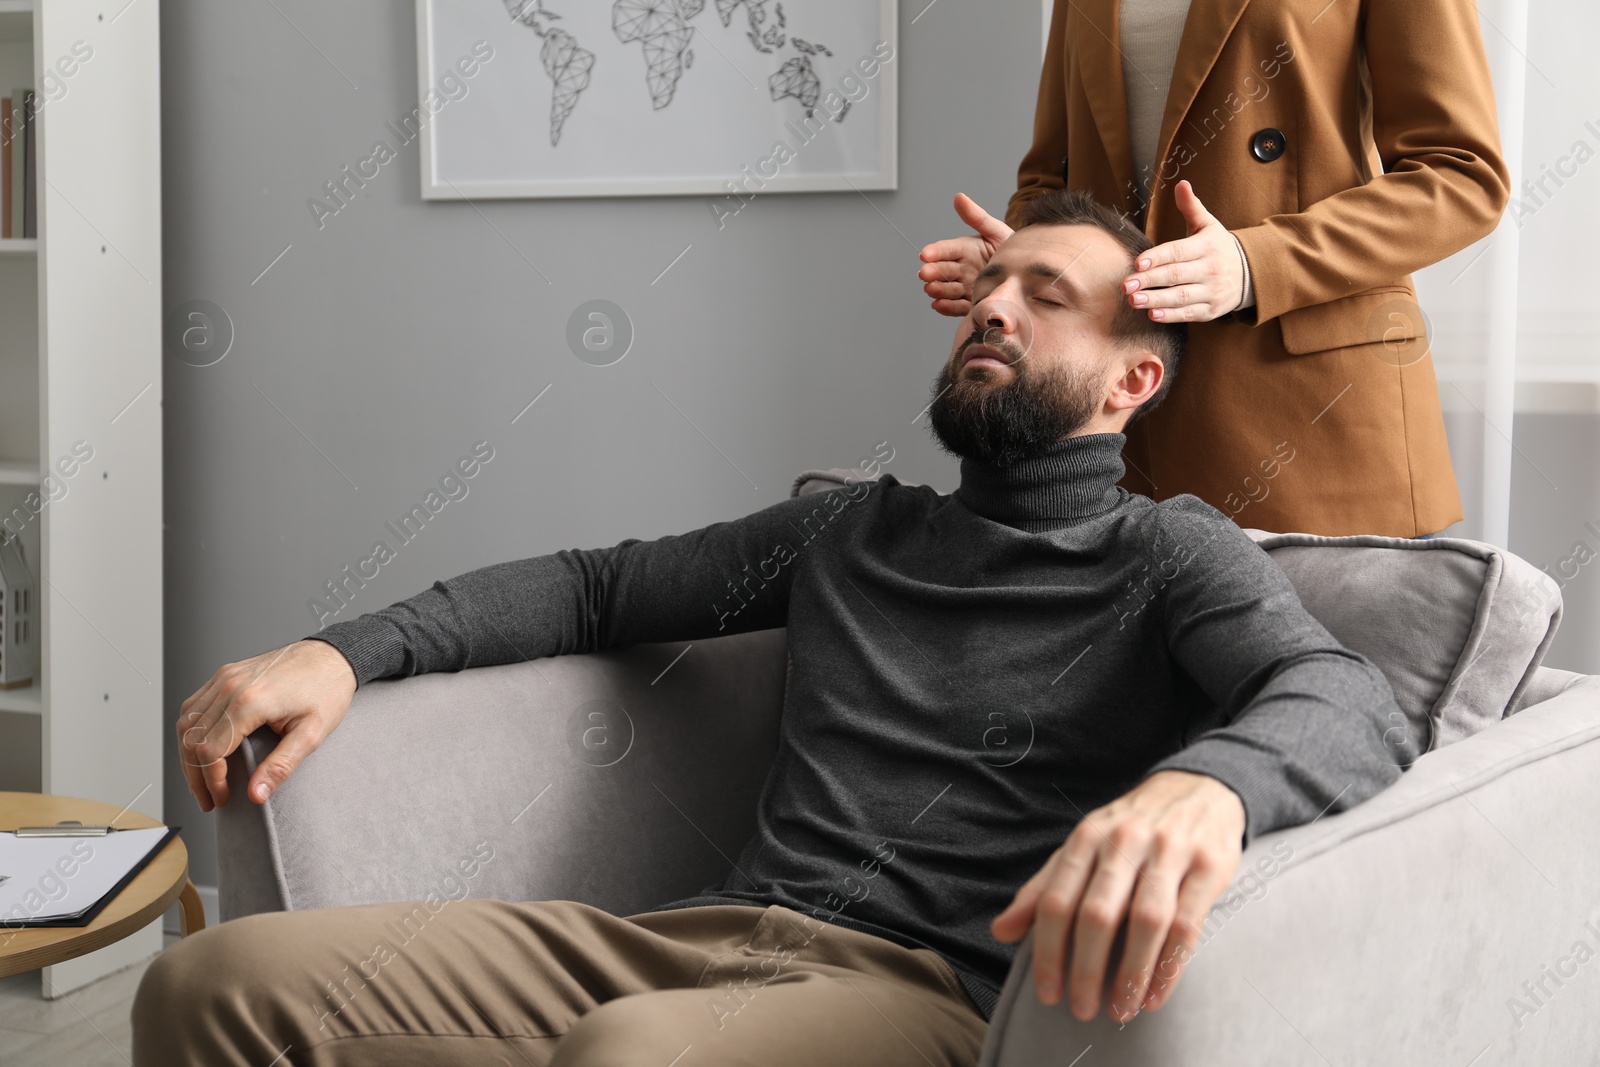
(548, 982)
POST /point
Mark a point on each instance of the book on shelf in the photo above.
(5, 166)
(30, 194)
(17, 178)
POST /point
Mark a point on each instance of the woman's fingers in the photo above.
(1152, 283)
(1178, 295)
(1188, 289)
(946, 290)
(984, 224)
(954, 249)
(947, 270)
(1194, 279)
(1176, 302)
(1171, 264)
(1194, 311)
(1190, 206)
(948, 274)
(951, 265)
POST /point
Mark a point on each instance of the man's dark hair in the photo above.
(1129, 325)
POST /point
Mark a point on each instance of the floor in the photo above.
(87, 1028)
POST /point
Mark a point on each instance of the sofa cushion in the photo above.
(817, 481)
(1459, 627)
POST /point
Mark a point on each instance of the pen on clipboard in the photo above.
(64, 829)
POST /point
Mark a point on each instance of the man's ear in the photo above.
(1142, 374)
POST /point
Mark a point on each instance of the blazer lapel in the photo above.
(1099, 53)
(1204, 33)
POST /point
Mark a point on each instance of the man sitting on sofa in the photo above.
(1039, 701)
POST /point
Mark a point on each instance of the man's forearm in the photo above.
(1321, 735)
(725, 578)
(503, 613)
(1303, 724)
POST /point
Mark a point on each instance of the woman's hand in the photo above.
(1197, 279)
(950, 267)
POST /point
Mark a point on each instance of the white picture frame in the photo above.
(739, 94)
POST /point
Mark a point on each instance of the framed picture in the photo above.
(540, 98)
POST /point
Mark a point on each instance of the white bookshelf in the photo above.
(27, 699)
(19, 472)
(80, 337)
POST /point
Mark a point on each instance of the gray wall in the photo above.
(403, 331)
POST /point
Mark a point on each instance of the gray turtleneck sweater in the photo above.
(969, 675)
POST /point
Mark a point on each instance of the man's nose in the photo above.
(997, 312)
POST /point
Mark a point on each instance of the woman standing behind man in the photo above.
(1294, 161)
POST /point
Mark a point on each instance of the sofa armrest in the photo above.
(623, 779)
(1401, 931)
(1545, 683)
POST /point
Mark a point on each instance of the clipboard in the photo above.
(39, 891)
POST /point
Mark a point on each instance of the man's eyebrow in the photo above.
(1036, 270)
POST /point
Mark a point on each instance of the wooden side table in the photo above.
(164, 879)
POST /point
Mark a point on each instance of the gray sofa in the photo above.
(1449, 920)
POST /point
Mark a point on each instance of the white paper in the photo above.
(62, 877)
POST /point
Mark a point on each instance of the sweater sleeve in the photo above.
(1305, 717)
(725, 578)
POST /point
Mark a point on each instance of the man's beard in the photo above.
(1003, 424)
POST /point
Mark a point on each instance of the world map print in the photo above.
(662, 31)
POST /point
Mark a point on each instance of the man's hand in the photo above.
(1159, 856)
(950, 267)
(1197, 279)
(301, 690)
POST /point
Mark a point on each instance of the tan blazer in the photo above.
(1346, 145)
